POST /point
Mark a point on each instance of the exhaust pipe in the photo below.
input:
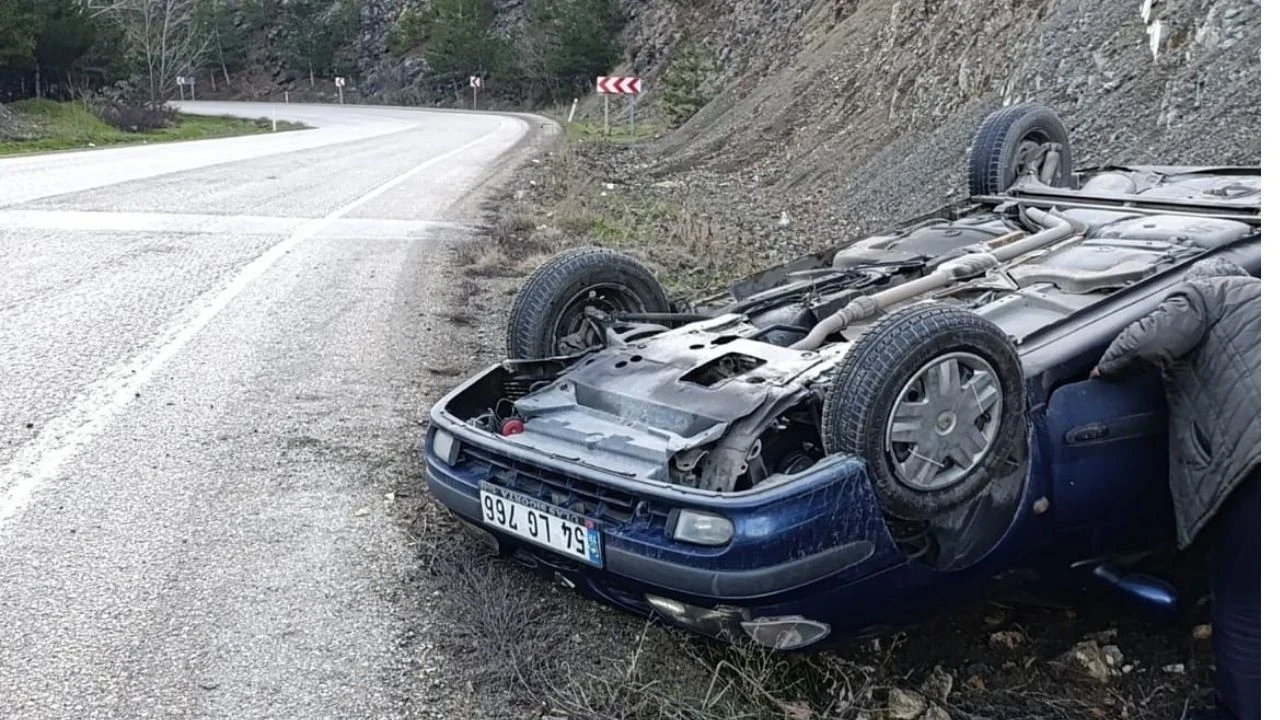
(999, 250)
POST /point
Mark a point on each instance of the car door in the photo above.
(1108, 441)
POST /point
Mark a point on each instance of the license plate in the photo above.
(541, 524)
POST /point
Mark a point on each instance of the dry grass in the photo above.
(563, 203)
(515, 638)
(687, 249)
(570, 658)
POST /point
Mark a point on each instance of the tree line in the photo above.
(556, 51)
(138, 48)
(133, 51)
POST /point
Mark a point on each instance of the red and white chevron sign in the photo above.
(619, 85)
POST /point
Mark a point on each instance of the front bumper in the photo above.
(460, 493)
(798, 551)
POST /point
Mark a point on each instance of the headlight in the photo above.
(701, 528)
(445, 446)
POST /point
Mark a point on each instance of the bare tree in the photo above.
(166, 35)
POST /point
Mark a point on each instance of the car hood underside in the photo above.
(630, 410)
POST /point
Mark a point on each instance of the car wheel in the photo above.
(1014, 141)
(931, 398)
(549, 318)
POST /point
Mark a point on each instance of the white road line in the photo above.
(196, 224)
(40, 460)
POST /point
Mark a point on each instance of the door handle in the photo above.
(1127, 427)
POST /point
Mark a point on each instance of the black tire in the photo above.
(879, 370)
(993, 163)
(554, 297)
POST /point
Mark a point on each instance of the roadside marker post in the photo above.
(186, 80)
(341, 83)
(609, 85)
(573, 109)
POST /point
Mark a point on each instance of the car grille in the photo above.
(609, 505)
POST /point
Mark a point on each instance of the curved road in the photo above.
(209, 364)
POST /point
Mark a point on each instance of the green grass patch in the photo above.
(73, 126)
(619, 130)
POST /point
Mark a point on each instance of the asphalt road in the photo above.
(209, 365)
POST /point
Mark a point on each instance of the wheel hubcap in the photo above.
(944, 421)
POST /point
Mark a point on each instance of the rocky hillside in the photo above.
(849, 113)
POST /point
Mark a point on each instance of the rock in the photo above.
(1175, 668)
(935, 712)
(1199, 632)
(938, 684)
(1103, 636)
(785, 220)
(1009, 639)
(796, 710)
(905, 704)
(1087, 659)
(1112, 655)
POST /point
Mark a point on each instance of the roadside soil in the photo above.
(522, 646)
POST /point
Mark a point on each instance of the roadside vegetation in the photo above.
(50, 126)
(571, 202)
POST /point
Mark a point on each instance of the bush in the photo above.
(684, 84)
(136, 118)
(125, 107)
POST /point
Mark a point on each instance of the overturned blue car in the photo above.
(862, 437)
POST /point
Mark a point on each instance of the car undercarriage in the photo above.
(732, 396)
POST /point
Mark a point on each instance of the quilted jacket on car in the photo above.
(1206, 339)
